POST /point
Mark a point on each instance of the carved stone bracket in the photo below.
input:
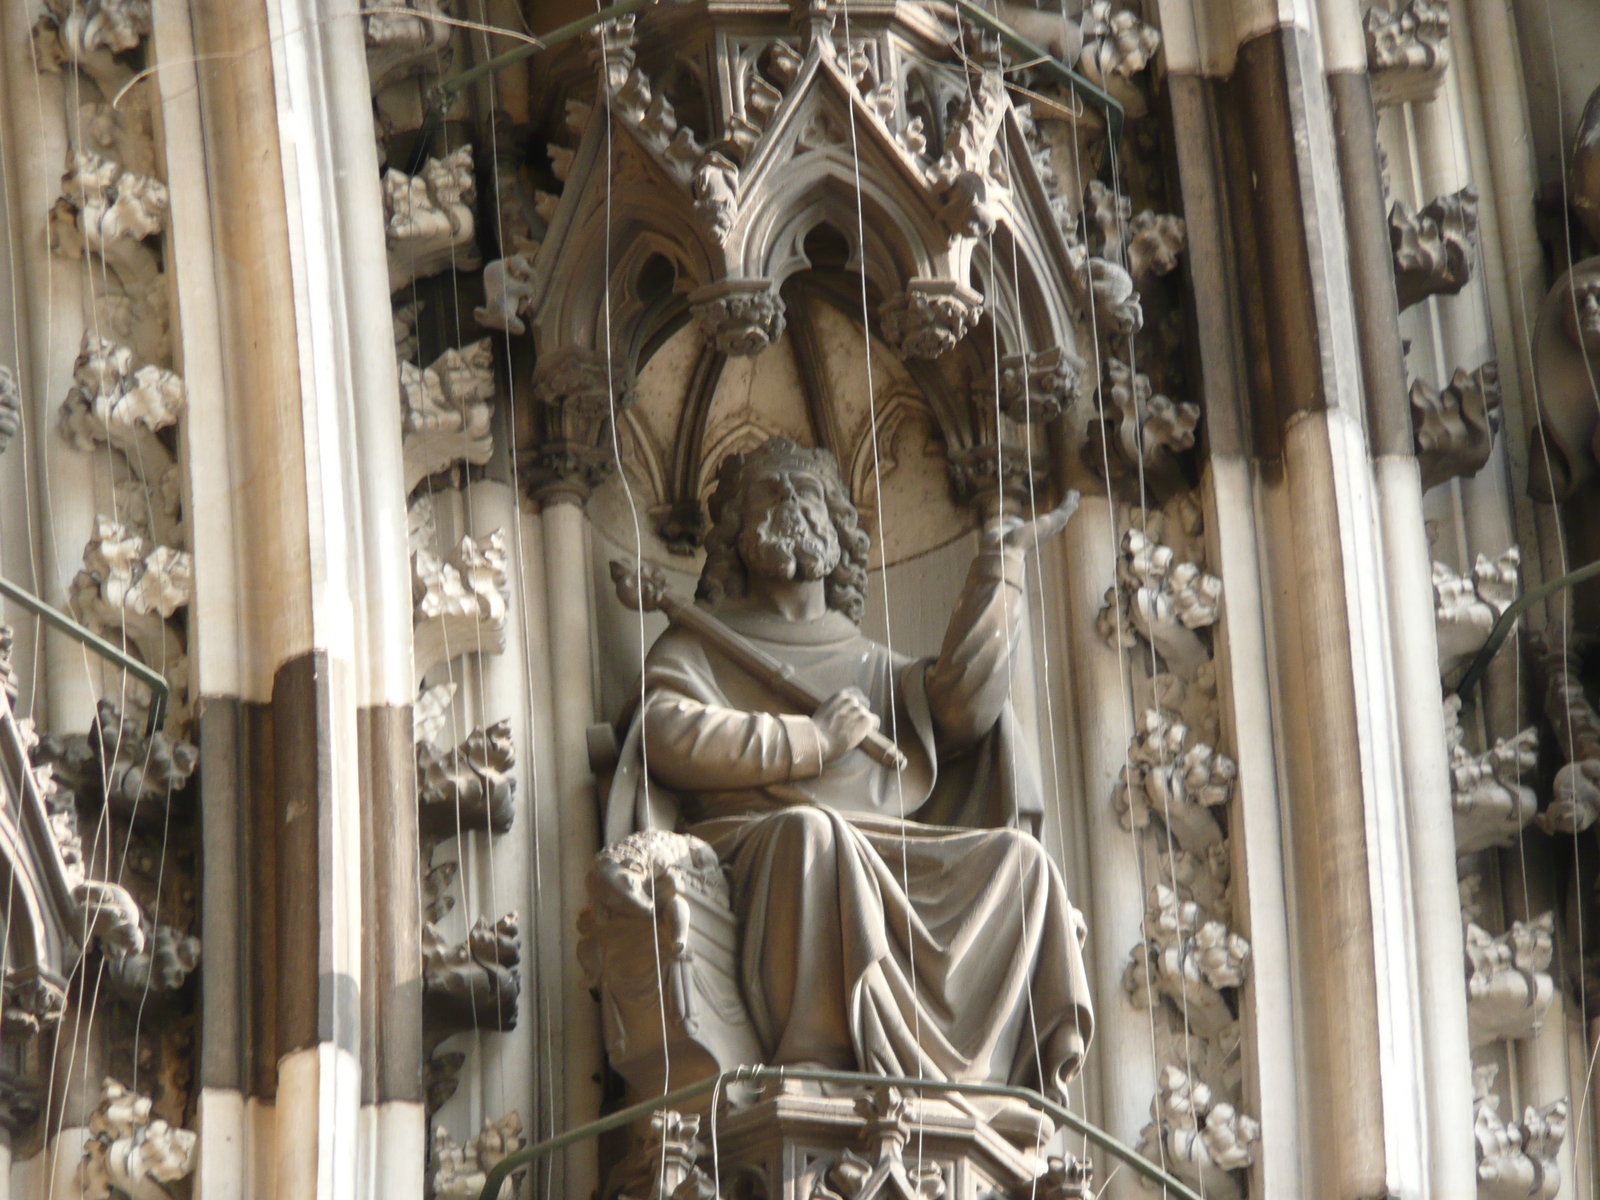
(1433, 249)
(1575, 799)
(474, 985)
(131, 1153)
(1162, 600)
(930, 317)
(1171, 777)
(459, 604)
(469, 787)
(428, 218)
(1454, 427)
(1202, 1140)
(1142, 442)
(447, 411)
(1117, 45)
(988, 475)
(1467, 606)
(1516, 1162)
(1490, 800)
(462, 1172)
(1187, 959)
(739, 317)
(1407, 53)
(116, 766)
(168, 959)
(399, 44)
(1509, 989)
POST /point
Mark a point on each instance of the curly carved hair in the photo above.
(724, 575)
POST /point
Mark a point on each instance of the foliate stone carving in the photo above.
(113, 402)
(469, 787)
(1515, 1162)
(671, 1145)
(1116, 42)
(401, 44)
(462, 1172)
(1509, 989)
(10, 408)
(1575, 801)
(1433, 249)
(991, 474)
(1202, 1140)
(1155, 240)
(130, 1153)
(447, 411)
(508, 296)
(1487, 791)
(659, 901)
(168, 958)
(962, 176)
(116, 766)
(930, 317)
(1189, 960)
(1038, 385)
(1163, 600)
(108, 211)
(459, 604)
(1454, 427)
(739, 317)
(474, 985)
(1176, 779)
(1067, 1178)
(1142, 435)
(428, 218)
(1407, 53)
(1467, 606)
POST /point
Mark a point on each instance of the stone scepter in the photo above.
(645, 589)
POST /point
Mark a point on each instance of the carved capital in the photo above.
(930, 317)
(739, 316)
(578, 394)
(989, 477)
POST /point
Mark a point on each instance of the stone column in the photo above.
(1451, 1158)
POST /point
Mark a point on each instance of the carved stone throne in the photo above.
(681, 983)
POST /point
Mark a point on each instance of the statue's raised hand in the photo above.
(1013, 533)
(844, 719)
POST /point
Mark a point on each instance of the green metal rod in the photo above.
(1051, 66)
(57, 619)
(1502, 627)
(1151, 1171)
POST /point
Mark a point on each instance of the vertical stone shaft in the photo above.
(1451, 1154)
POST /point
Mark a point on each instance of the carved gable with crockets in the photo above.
(730, 146)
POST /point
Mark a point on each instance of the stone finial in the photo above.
(131, 1153)
(1407, 53)
(1454, 427)
(428, 218)
(1433, 249)
(1509, 989)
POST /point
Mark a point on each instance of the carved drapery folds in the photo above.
(1454, 426)
(1407, 50)
(1433, 249)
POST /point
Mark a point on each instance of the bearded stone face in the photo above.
(787, 532)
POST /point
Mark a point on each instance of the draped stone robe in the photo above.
(901, 923)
